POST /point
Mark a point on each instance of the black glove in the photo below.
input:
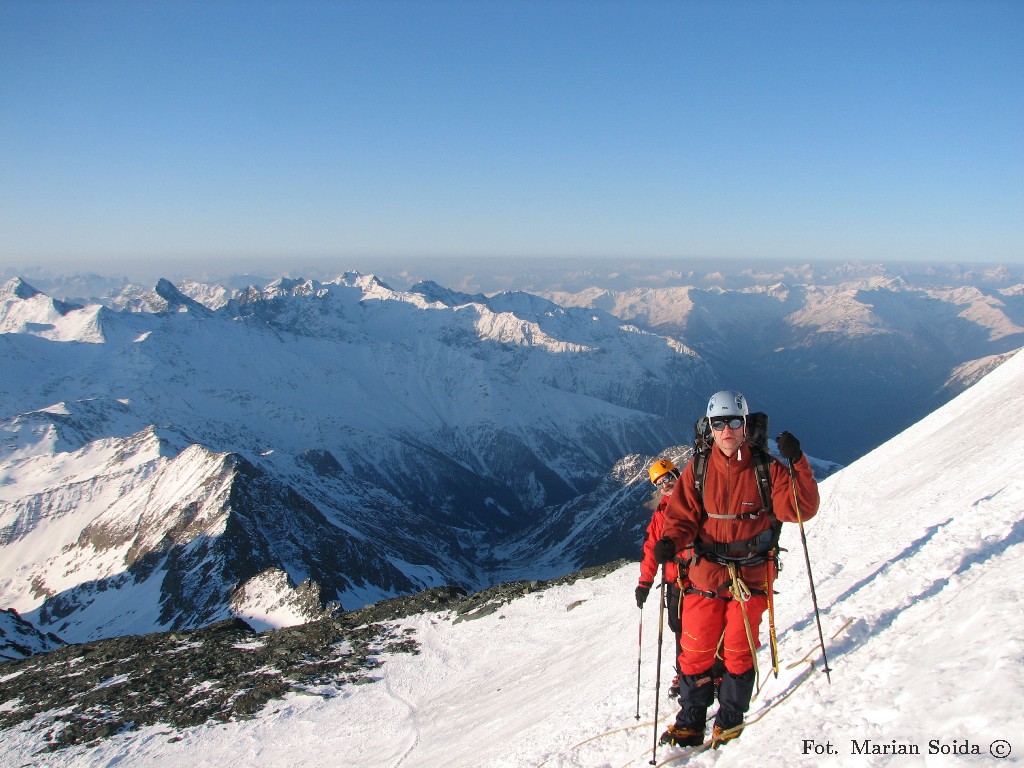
(789, 447)
(664, 550)
(641, 596)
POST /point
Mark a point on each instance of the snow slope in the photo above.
(916, 555)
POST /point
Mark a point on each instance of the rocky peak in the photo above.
(176, 300)
(17, 288)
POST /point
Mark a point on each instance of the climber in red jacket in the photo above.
(733, 532)
(664, 475)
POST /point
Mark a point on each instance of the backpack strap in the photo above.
(762, 467)
(700, 472)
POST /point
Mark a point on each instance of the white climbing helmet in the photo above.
(727, 403)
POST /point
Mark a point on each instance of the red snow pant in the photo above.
(704, 621)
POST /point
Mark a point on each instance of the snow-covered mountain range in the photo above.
(870, 355)
(176, 456)
(162, 465)
(916, 554)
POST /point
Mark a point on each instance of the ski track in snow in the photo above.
(410, 714)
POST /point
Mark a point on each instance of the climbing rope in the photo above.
(741, 593)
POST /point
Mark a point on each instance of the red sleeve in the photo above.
(682, 514)
(782, 491)
(648, 567)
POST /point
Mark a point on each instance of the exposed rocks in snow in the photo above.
(78, 694)
(19, 639)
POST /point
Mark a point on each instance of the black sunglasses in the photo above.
(665, 480)
(734, 422)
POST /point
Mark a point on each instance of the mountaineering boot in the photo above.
(733, 702)
(683, 737)
(696, 693)
(719, 735)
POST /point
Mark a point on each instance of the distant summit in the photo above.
(175, 300)
(17, 288)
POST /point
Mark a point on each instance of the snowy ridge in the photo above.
(967, 374)
(916, 554)
(23, 309)
(180, 543)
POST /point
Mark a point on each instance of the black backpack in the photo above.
(763, 546)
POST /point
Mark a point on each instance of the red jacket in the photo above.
(655, 530)
(730, 488)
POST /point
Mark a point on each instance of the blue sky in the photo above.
(217, 130)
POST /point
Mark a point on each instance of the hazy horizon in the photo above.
(531, 274)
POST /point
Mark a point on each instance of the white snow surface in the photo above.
(916, 555)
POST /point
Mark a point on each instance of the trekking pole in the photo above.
(773, 637)
(657, 674)
(639, 656)
(810, 578)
